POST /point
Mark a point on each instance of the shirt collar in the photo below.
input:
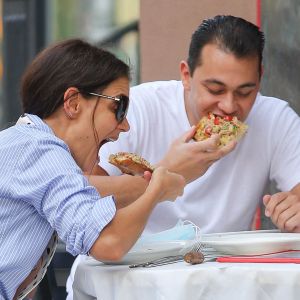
(37, 121)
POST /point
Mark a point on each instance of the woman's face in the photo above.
(105, 121)
(98, 122)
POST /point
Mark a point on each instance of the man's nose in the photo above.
(228, 104)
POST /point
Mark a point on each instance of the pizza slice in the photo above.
(229, 128)
(130, 163)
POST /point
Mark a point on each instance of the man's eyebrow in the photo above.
(215, 81)
(245, 85)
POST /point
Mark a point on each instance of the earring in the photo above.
(69, 114)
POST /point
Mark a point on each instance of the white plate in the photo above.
(256, 243)
(209, 236)
(150, 251)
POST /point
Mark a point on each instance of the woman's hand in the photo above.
(192, 159)
(164, 184)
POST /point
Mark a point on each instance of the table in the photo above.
(181, 281)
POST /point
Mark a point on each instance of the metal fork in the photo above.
(159, 262)
(209, 255)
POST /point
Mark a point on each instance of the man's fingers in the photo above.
(281, 212)
(209, 145)
(273, 203)
(274, 206)
(292, 223)
(187, 136)
(228, 148)
(266, 200)
(284, 219)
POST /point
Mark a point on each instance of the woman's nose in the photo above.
(124, 125)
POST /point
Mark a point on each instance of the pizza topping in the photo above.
(228, 127)
(216, 121)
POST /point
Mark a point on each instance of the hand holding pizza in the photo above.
(284, 210)
(192, 159)
(164, 184)
(167, 185)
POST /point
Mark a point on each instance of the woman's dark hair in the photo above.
(70, 63)
(231, 34)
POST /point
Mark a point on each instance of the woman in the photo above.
(75, 97)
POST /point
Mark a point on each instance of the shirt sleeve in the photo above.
(285, 148)
(48, 178)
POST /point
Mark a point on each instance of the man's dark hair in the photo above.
(231, 34)
(70, 63)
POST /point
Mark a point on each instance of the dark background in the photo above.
(280, 21)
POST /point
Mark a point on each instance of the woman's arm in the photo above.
(122, 232)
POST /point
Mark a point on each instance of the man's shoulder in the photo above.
(270, 101)
(268, 111)
(266, 104)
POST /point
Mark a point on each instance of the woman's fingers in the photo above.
(147, 175)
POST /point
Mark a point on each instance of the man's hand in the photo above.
(192, 159)
(284, 209)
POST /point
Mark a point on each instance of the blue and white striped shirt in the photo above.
(42, 189)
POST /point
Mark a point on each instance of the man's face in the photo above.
(222, 84)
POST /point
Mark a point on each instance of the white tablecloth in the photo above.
(182, 281)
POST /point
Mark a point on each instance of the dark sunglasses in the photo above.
(122, 106)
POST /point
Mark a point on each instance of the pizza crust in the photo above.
(130, 163)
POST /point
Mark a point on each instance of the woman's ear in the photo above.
(71, 102)
(185, 75)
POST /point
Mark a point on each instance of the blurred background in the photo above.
(152, 36)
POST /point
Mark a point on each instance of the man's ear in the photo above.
(185, 75)
(71, 102)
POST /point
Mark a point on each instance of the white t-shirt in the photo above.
(226, 196)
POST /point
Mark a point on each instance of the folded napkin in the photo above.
(183, 230)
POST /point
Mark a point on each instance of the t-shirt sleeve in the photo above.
(285, 148)
(57, 189)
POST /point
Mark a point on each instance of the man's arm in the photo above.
(284, 209)
(124, 188)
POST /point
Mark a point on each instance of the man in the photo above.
(222, 75)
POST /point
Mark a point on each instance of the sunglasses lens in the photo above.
(122, 108)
